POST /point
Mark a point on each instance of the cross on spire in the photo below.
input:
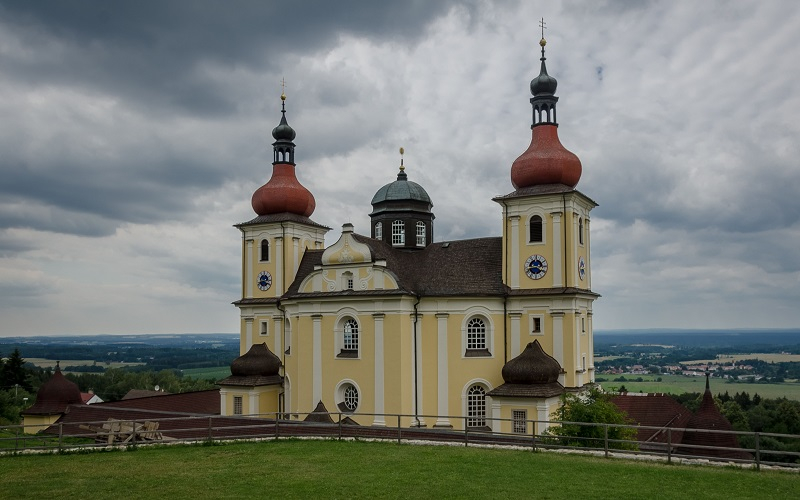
(542, 25)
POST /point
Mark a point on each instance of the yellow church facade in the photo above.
(391, 326)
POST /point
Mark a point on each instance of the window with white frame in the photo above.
(264, 328)
(476, 334)
(237, 405)
(350, 339)
(378, 231)
(476, 406)
(536, 324)
(264, 257)
(349, 283)
(519, 421)
(398, 233)
(535, 232)
(420, 234)
(347, 397)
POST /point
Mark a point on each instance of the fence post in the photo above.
(466, 432)
(210, 432)
(60, 435)
(277, 426)
(605, 438)
(399, 430)
(758, 452)
(340, 427)
(133, 430)
(533, 435)
(669, 445)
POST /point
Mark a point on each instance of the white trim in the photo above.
(278, 279)
(296, 256)
(486, 316)
(531, 324)
(338, 395)
(252, 402)
(316, 369)
(223, 402)
(248, 269)
(379, 370)
(417, 410)
(342, 315)
(263, 330)
(287, 395)
(261, 240)
(442, 389)
(248, 333)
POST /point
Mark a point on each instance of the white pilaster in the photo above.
(296, 255)
(418, 362)
(496, 417)
(278, 279)
(248, 333)
(316, 369)
(252, 403)
(588, 254)
(277, 332)
(543, 415)
(514, 270)
(223, 402)
(558, 257)
(558, 341)
(442, 388)
(516, 348)
(379, 370)
(248, 269)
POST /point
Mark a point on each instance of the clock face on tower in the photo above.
(536, 267)
(264, 280)
(581, 268)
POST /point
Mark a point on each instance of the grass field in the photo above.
(51, 363)
(678, 384)
(216, 373)
(332, 469)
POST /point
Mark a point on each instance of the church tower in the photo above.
(546, 258)
(274, 241)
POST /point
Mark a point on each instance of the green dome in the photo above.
(401, 190)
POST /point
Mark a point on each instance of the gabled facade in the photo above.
(394, 323)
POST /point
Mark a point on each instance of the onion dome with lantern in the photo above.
(546, 161)
(283, 193)
(401, 213)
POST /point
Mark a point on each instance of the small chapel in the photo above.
(483, 333)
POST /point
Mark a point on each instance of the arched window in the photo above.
(476, 406)
(535, 229)
(398, 233)
(264, 250)
(476, 334)
(378, 231)
(349, 339)
(420, 234)
(580, 230)
(347, 396)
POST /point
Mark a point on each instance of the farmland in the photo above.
(679, 384)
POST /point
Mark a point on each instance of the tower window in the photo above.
(378, 231)
(580, 230)
(349, 283)
(398, 233)
(535, 229)
(420, 234)
(264, 328)
(476, 406)
(264, 250)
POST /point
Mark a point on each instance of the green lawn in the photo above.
(332, 469)
(678, 384)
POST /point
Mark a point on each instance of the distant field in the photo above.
(678, 384)
(341, 469)
(216, 373)
(768, 357)
(51, 363)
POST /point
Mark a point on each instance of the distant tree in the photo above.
(593, 407)
(622, 388)
(14, 373)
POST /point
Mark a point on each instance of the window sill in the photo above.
(348, 354)
(477, 353)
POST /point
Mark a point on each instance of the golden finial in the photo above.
(283, 89)
(542, 25)
(402, 152)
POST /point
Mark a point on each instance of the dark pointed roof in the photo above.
(320, 415)
(708, 417)
(532, 374)
(258, 366)
(544, 83)
(55, 395)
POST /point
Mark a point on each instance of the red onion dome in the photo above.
(545, 161)
(283, 193)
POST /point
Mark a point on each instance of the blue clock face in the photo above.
(536, 267)
(264, 280)
(582, 268)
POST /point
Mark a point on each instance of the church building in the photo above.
(485, 333)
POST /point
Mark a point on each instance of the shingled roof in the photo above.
(464, 267)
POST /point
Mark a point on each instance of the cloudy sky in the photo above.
(134, 133)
